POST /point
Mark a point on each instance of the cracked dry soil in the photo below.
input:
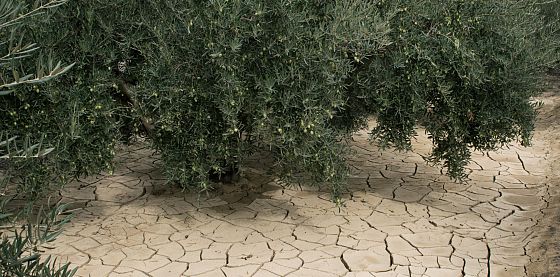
(402, 218)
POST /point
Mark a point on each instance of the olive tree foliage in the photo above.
(212, 82)
(466, 71)
(551, 12)
(254, 75)
(20, 236)
(19, 255)
(70, 117)
(297, 77)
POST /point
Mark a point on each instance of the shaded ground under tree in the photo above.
(402, 218)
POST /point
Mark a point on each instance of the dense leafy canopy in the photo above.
(463, 70)
(18, 245)
(212, 82)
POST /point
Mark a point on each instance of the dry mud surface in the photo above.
(402, 218)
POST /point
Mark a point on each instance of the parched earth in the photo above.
(401, 218)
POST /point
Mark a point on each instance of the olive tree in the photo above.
(212, 82)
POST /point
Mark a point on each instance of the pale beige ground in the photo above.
(402, 218)
(546, 253)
